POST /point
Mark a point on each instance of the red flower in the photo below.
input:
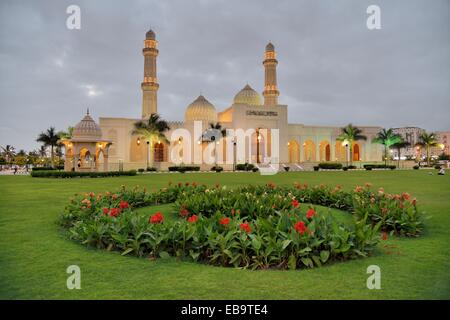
(124, 205)
(105, 211)
(405, 196)
(300, 227)
(246, 227)
(91, 194)
(157, 218)
(184, 212)
(358, 189)
(192, 219)
(114, 196)
(310, 213)
(384, 236)
(224, 221)
(114, 212)
(295, 203)
(413, 201)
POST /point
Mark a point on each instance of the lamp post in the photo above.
(234, 154)
(148, 153)
(346, 152)
(258, 139)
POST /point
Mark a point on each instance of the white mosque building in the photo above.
(298, 144)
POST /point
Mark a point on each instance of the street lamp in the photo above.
(234, 154)
(258, 139)
(148, 152)
(346, 143)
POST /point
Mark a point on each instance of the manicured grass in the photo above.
(34, 254)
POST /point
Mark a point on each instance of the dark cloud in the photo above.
(332, 69)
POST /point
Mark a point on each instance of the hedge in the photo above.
(327, 165)
(245, 167)
(378, 166)
(217, 169)
(183, 169)
(74, 174)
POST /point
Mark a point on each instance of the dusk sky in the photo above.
(332, 70)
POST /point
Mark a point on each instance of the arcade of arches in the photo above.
(323, 152)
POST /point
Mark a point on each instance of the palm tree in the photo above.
(49, 139)
(8, 153)
(387, 138)
(151, 130)
(42, 151)
(211, 134)
(399, 146)
(66, 134)
(351, 134)
(427, 140)
(21, 153)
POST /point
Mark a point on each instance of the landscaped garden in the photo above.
(294, 235)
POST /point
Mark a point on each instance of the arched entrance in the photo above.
(309, 151)
(325, 151)
(356, 152)
(159, 152)
(294, 151)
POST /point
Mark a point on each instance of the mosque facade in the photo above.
(297, 144)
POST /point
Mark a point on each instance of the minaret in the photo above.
(150, 84)
(270, 62)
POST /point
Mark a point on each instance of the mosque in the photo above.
(110, 145)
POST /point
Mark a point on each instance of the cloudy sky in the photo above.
(332, 70)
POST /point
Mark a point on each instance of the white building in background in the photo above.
(410, 135)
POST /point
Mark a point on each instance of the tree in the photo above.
(212, 134)
(427, 140)
(152, 129)
(350, 134)
(66, 134)
(8, 152)
(387, 138)
(399, 146)
(49, 139)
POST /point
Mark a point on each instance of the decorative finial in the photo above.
(87, 112)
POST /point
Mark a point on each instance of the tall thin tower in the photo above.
(150, 84)
(270, 62)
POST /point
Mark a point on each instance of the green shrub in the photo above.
(255, 169)
(416, 167)
(328, 165)
(316, 168)
(217, 169)
(345, 168)
(438, 167)
(141, 170)
(151, 169)
(352, 167)
(245, 167)
(74, 174)
(183, 169)
(378, 166)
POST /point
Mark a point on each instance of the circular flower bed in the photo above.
(256, 227)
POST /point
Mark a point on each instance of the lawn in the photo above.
(34, 254)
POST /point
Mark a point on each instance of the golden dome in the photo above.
(201, 110)
(247, 96)
(87, 129)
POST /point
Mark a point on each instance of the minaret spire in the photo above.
(150, 84)
(270, 62)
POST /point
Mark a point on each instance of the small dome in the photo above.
(87, 128)
(270, 47)
(150, 35)
(248, 96)
(201, 110)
